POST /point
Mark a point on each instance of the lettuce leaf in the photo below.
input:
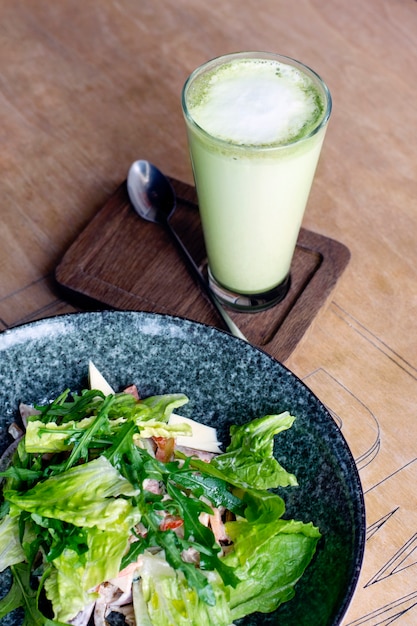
(11, 551)
(170, 600)
(269, 559)
(53, 437)
(249, 458)
(64, 587)
(73, 577)
(50, 438)
(84, 495)
(161, 407)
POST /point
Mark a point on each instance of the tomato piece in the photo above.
(170, 522)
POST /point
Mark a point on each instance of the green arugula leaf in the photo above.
(81, 447)
(190, 509)
(194, 576)
(60, 411)
(162, 406)
(213, 488)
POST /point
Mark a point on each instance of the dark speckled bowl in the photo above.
(228, 381)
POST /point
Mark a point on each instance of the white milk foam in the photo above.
(254, 102)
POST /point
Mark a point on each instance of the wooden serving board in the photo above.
(124, 262)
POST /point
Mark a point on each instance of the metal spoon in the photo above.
(153, 199)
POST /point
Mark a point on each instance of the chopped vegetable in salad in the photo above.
(107, 513)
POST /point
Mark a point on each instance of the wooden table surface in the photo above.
(86, 88)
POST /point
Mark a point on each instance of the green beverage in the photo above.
(256, 124)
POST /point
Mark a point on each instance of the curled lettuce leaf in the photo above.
(73, 577)
(53, 437)
(269, 559)
(249, 458)
(85, 495)
(161, 407)
(170, 600)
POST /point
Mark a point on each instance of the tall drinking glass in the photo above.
(255, 124)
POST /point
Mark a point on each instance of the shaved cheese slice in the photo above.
(97, 381)
(203, 437)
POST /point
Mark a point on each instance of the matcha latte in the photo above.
(255, 124)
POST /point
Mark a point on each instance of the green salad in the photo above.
(112, 508)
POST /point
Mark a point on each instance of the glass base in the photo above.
(249, 303)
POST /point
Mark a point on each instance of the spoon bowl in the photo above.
(154, 200)
(150, 192)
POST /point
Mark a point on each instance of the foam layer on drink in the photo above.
(255, 102)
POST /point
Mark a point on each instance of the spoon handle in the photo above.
(205, 286)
